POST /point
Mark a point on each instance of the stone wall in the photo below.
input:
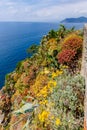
(84, 72)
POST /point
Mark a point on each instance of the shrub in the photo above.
(66, 57)
(32, 49)
(73, 42)
(68, 99)
(71, 51)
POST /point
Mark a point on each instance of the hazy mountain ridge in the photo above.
(75, 20)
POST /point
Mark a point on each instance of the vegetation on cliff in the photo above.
(46, 91)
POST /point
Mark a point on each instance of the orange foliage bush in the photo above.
(66, 56)
(71, 51)
(73, 42)
(26, 80)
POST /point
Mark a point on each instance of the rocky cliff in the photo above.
(46, 91)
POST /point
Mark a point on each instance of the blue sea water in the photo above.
(16, 37)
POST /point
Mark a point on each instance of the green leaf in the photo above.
(28, 107)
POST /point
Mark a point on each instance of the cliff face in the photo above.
(46, 90)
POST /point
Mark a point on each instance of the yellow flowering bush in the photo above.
(57, 73)
(57, 122)
(46, 90)
(43, 102)
(52, 40)
(43, 93)
(43, 116)
(40, 82)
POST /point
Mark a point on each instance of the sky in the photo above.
(41, 10)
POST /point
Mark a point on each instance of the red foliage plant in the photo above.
(66, 56)
(71, 50)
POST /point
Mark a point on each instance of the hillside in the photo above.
(46, 90)
(75, 20)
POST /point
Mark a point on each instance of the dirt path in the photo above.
(84, 72)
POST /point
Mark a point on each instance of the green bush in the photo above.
(68, 99)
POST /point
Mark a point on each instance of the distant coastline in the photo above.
(75, 20)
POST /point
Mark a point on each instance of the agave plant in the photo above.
(28, 109)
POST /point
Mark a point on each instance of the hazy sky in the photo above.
(41, 10)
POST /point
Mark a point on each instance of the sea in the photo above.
(16, 37)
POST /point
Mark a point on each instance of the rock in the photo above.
(1, 116)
